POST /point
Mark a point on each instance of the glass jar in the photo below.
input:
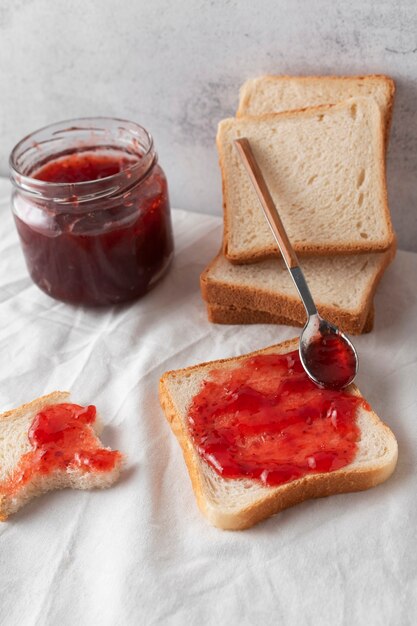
(91, 207)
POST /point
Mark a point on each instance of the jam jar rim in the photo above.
(55, 192)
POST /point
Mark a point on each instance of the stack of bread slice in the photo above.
(321, 144)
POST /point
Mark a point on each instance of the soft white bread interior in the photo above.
(342, 286)
(14, 443)
(273, 94)
(237, 504)
(325, 170)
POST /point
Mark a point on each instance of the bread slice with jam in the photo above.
(238, 502)
(48, 444)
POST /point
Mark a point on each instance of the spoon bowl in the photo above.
(327, 355)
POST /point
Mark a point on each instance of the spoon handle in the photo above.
(277, 227)
(268, 205)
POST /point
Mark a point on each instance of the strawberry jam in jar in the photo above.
(91, 207)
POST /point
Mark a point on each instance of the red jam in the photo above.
(266, 420)
(331, 360)
(103, 251)
(62, 439)
(82, 167)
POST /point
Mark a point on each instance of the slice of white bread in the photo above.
(234, 504)
(342, 287)
(273, 94)
(14, 443)
(219, 314)
(325, 169)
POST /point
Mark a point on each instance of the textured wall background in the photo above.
(176, 67)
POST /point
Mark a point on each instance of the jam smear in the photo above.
(114, 250)
(331, 359)
(62, 438)
(266, 420)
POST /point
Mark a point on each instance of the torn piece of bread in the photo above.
(325, 169)
(219, 314)
(342, 287)
(234, 504)
(25, 469)
(273, 94)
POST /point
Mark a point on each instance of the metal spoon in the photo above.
(327, 355)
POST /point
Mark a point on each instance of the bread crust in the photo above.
(218, 314)
(245, 91)
(291, 307)
(305, 249)
(277, 498)
(36, 405)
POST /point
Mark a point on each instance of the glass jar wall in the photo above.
(91, 207)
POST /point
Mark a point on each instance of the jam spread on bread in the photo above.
(103, 250)
(62, 439)
(266, 420)
(330, 358)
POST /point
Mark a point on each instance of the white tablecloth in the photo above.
(140, 552)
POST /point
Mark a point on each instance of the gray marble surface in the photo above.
(176, 67)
